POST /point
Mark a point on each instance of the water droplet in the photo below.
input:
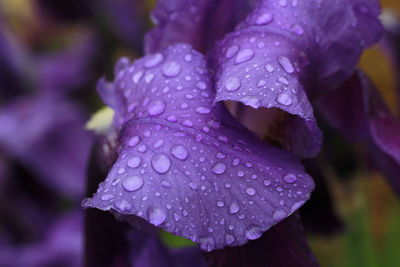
(244, 55)
(188, 57)
(132, 183)
(158, 143)
(264, 19)
(240, 173)
(296, 206)
(202, 110)
(176, 216)
(234, 208)
(220, 203)
(180, 152)
(107, 197)
(251, 101)
(297, 29)
(231, 51)
(156, 216)
(267, 182)
(286, 64)
(165, 183)
(134, 141)
(156, 108)
(251, 191)
(223, 139)
(134, 162)
(153, 60)
(123, 206)
(149, 77)
(219, 168)
(235, 162)
(142, 148)
(193, 186)
(283, 3)
(206, 243)
(253, 232)
(160, 163)
(279, 215)
(232, 84)
(171, 69)
(284, 99)
(290, 178)
(229, 239)
(137, 76)
(269, 68)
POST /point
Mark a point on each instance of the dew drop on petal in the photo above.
(123, 206)
(153, 60)
(297, 29)
(160, 163)
(232, 84)
(267, 182)
(234, 208)
(269, 68)
(244, 55)
(202, 110)
(156, 215)
(290, 178)
(207, 243)
(284, 99)
(229, 239)
(231, 51)
(253, 232)
(251, 191)
(156, 108)
(132, 183)
(279, 215)
(171, 69)
(180, 152)
(134, 162)
(134, 141)
(220, 203)
(296, 206)
(219, 168)
(264, 19)
(286, 64)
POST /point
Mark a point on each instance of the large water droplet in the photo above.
(297, 29)
(132, 183)
(251, 101)
(202, 110)
(137, 76)
(171, 69)
(279, 215)
(290, 178)
(232, 84)
(229, 239)
(160, 163)
(251, 191)
(156, 108)
(153, 60)
(253, 232)
(219, 168)
(264, 19)
(231, 51)
(123, 206)
(207, 243)
(286, 64)
(244, 55)
(284, 99)
(134, 141)
(234, 208)
(156, 216)
(180, 152)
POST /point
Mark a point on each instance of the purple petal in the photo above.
(189, 168)
(63, 71)
(283, 245)
(63, 245)
(358, 111)
(196, 22)
(48, 136)
(281, 47)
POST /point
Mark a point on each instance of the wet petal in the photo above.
(273, 57)
(189, 168)
(197, 22)
(283, 245)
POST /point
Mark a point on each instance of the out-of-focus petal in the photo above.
(196, 22)
(47, 135)
(285, 244)
(188, 167)
(364, 117)
(63, 246)
(63, 71)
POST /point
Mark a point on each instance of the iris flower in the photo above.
(184, 162)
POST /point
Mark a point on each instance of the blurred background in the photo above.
(52, 53)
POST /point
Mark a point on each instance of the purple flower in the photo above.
(184, 163)
(188, 166)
